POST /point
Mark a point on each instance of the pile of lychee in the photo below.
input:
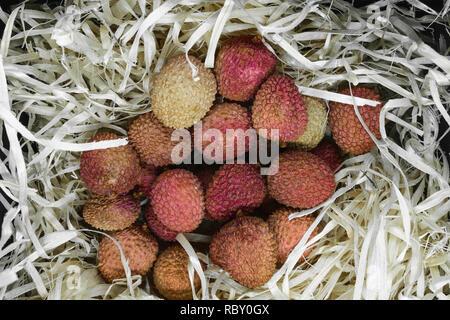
(246, 213)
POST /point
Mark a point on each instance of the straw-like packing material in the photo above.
(76, 69)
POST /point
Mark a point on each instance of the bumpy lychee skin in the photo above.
(171, 276)
(328, 151)
(178, 201)
(288, 233)
(112, 170)
(157, 227)
(223, 117)
(148, 175)
(316, 125)
(205, 176)
(178, 101)
(139, 247)
(345, 126)
(246, 248)
(234, 187)
(279, 105)
(242, 64)
(152, 140)
(111, 213)
(303, 180)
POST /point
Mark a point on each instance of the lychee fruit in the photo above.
(171, 276)
(139, 247)
(147, 176)
(111, 213)
(316, 125)
(177, 99)
(242, 64)
(288, 233)
(157, 227)
(178, 200)
(246, 248)
(328, 151)
(234, 187)
(152, 140)
(303, 180)
(232, 121)
(111, 170)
